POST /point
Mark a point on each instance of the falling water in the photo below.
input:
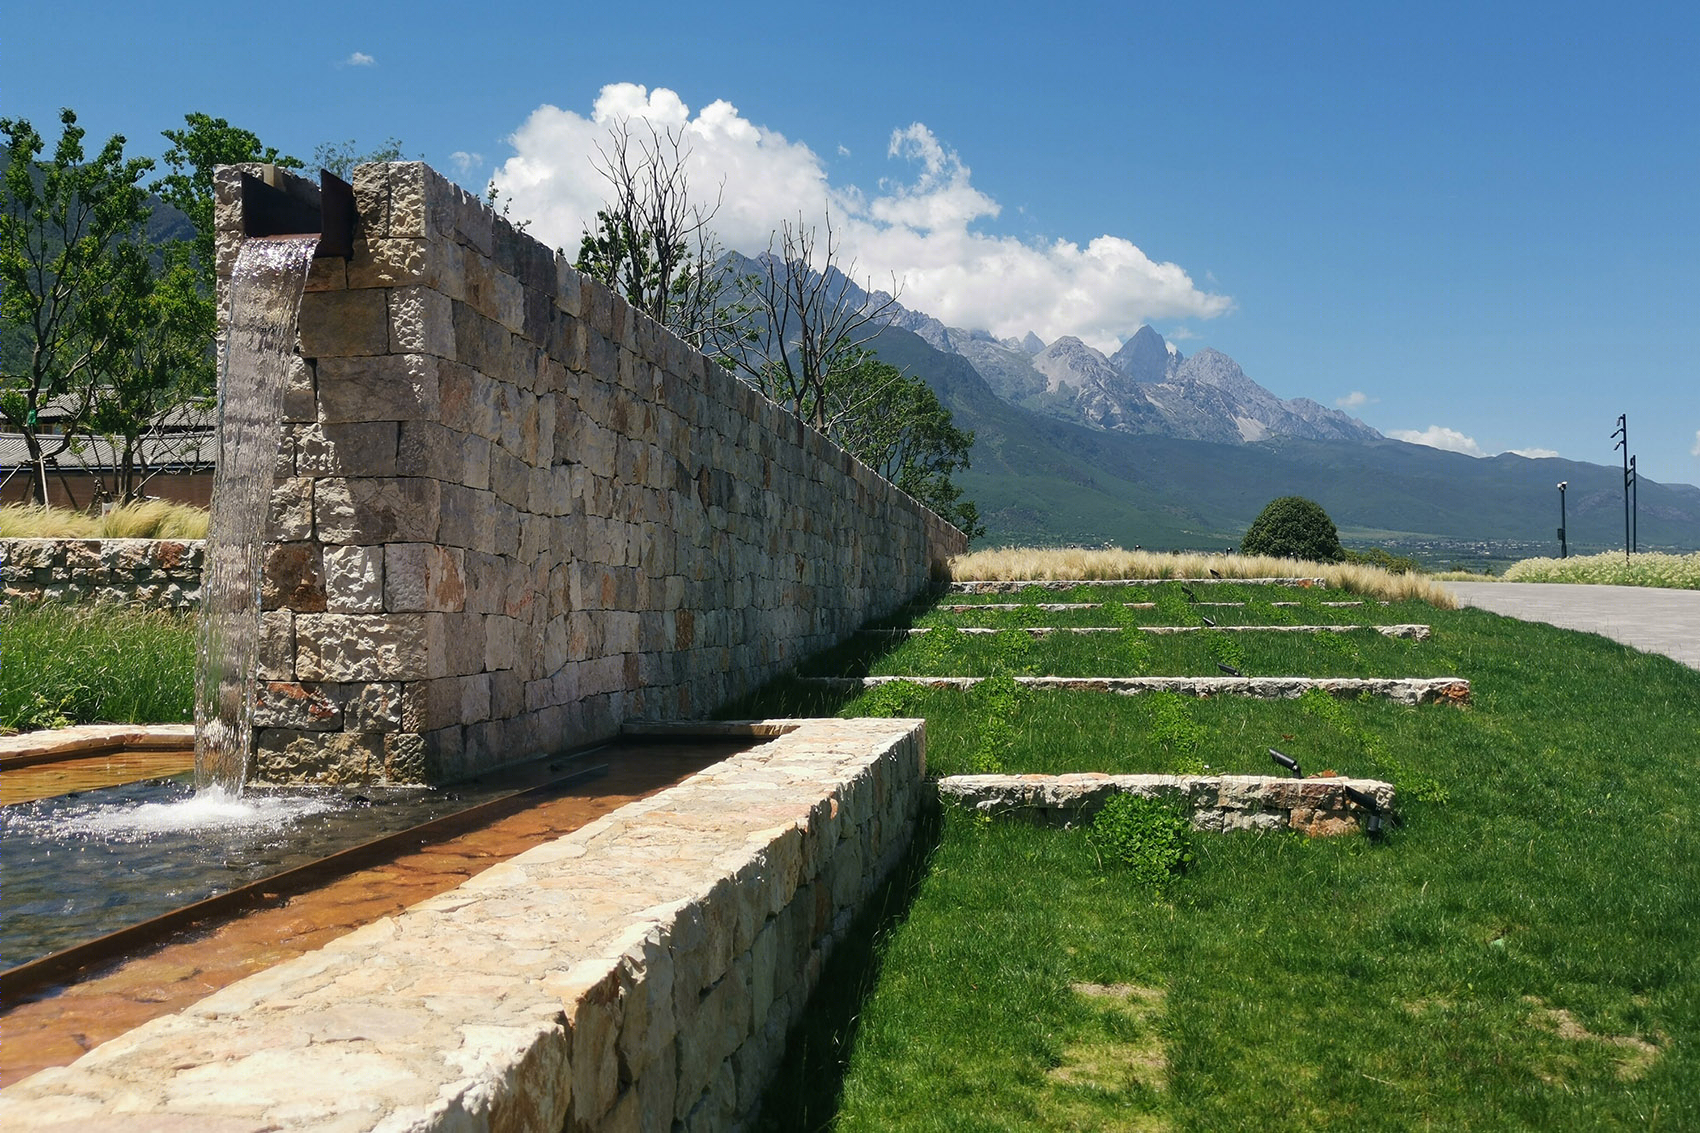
(259, 348)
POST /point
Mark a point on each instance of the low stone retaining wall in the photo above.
(1401, 690)
(976, 607)
(640, 972)
(1318, 807)
(154, 572)
(92, 739)
(1012, 586)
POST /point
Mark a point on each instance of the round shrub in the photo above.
(1293, 527)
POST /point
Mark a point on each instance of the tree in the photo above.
(1293, 527)
(340, 158)
(651, 243)
(807, 326)
(165, 369)
(896, 425)
(205, 143)
(66, 287)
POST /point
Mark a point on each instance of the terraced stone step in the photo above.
(1400, 690)
(1412, 631)
(1319, 807)
(970, 607)
(1003, 586)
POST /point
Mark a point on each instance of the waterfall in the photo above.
(259, 348)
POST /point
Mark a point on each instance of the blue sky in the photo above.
(1475, 222)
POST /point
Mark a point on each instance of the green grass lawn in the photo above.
(1521, 953)
(86, 664)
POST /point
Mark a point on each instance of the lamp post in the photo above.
(1622, 435)
(1563, 543)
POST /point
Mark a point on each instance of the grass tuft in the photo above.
(96, 664)
(149, 519)
(1613, 568)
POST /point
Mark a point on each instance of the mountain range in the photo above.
(1149, 447)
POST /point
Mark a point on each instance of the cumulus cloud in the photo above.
(465, 161)
(1533, 453)
(918, 227)
(359, 59)
(1439, 436)
(1355, 400)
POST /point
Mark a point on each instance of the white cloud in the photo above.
(359, 59)
(1355, 400)
(919, 231)
(1439, 436)
(465, 161)
(1695, 451)
(1533, 453)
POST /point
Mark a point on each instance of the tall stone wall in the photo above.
(511, 513)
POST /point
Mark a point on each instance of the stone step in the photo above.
(1401, 690)
(1413, 632)
(968, 608)
(1011, 586)
(1319, 806)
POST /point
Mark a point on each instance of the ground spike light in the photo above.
(1376, 823)
(1207, 621)
(1287, 762)
(1229, 669)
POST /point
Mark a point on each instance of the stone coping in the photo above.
(1411, 631)
(638, 972)
(1318, 806)
(91, 740)
(1401, 690)
(1011, 586)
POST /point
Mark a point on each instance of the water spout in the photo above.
(259, 351)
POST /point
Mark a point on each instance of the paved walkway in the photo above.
(1642, 617)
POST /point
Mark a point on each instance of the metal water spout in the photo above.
(269, 210)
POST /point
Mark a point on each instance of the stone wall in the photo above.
(638, 974)
(1319, 807)
(155, 572)
(512, 514)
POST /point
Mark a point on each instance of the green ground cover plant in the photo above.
(1517, 953)
(85, 664)
(1676, 572)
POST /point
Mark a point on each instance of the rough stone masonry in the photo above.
(511, 513)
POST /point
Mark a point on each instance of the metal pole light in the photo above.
(1622, 435)
(1634, 507)
(1563, 543)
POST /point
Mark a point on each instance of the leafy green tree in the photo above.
(166, 368)
(68, 292)
(204, 143)
(1293, 527)
(895, 424)
(340, 158)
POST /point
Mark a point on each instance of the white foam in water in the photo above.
(207, 811)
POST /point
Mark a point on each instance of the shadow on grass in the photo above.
(805, 1092)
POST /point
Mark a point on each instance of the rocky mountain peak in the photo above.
(1145, 357)
(1032, 343)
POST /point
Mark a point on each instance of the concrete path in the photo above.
(1642, 617)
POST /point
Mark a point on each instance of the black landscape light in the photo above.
(1563, 543)
(1207, 621)
(1190, 596)
(1376, 823)
(1286, 761)
(1229, 669)
(1214, 573)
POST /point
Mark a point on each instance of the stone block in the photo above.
(394, 387)
(290, 704)
(292, 575)
(371, 185)
(424, 576)
(354, 579)
(429, 449)
(290, 510)
(277, 645)
(421, 321)
(405, 758)
(376, 707)
(357, 448)
(468, 518)
(366, 511)
(344, 324)
(286, 755)
(361, 647)
(299, 393)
